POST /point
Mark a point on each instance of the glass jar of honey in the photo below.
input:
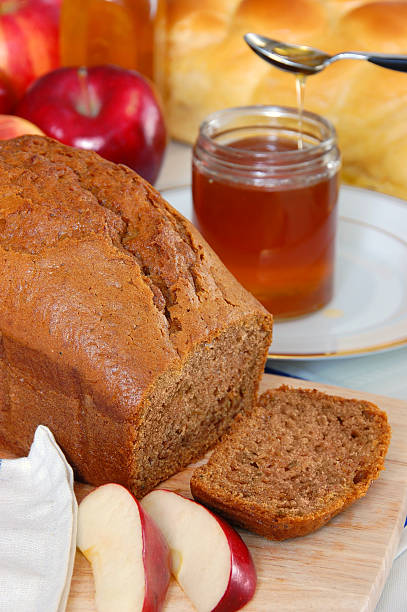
(265, 188)
(128, 33)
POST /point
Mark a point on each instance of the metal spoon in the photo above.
(307, 60)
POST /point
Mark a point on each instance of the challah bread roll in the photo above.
(211, 67)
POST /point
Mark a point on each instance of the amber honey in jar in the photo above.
(265, 198)
(128, 33)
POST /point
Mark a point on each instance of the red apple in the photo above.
(12, 126)
(7, 95)
(106, 109)
(29, 44)
(129, 556)
(209, 559)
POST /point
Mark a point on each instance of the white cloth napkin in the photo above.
(38, 520)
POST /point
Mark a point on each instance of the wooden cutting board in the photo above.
(341, 567)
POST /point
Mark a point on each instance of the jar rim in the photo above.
(212, 126)
(319, 159)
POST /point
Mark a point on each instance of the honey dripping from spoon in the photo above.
(300, 89)
(300, 78)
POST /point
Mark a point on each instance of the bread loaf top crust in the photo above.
(100, 276)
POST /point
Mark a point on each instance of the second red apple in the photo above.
(28, 40)
(106, 109)
(12, 126)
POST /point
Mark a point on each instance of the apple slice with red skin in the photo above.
(129, 556)
(210, 561)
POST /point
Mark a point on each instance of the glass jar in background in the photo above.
(265, 188)
(128, 33)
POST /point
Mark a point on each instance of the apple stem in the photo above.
(88, 104)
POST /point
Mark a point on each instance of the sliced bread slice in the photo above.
(295, 461)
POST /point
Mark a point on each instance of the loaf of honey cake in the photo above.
(120, 329)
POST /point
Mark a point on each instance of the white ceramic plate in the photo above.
(369, 311)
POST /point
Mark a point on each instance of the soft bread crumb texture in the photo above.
(116, 319)
(296, 460)
(184, 419)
